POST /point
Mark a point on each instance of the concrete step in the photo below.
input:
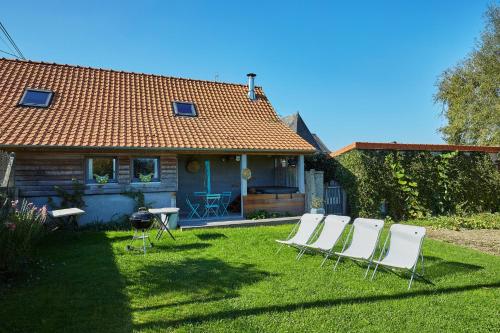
(238, 223)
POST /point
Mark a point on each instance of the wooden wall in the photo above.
(274, 203)
(36, 174)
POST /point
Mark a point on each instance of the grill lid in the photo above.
(142, 215)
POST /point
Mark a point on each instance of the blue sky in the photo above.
(356, 71)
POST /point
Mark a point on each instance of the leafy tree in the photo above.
(321, 162)
(470, 91)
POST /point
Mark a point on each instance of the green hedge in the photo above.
(418, 184)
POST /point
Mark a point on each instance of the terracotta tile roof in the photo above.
(408, 147)
(99, 108)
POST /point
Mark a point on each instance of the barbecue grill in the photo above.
(141, 222)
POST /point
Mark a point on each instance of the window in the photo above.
(37, 98)
(101, 170)
(146, 169)
(184, 109)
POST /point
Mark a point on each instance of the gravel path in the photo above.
(483, 240)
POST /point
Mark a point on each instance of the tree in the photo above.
(470, 91)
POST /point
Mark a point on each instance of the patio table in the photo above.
(163, 215)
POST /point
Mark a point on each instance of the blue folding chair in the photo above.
(224, 202)
(212, 205)
(193, 209)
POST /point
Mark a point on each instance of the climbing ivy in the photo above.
(416, 184)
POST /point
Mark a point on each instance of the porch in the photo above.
(276, 185)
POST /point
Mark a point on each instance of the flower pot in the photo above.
(317, 211)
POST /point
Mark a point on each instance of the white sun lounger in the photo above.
(404, 250)
(305, 230)
(333, 227)
(365, 235)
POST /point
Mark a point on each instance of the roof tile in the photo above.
(106, 108)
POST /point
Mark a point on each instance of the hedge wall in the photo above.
(417, 184)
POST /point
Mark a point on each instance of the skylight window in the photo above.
(184, 109)
(36, 97)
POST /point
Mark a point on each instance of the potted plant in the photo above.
(101, 180)
(145, 178)
(317, 205)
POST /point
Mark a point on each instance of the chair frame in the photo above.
(223, 204)
(194, 209)
(355, 260)
(212, 205)
(412, 270)
(294, 229)
(327, 253)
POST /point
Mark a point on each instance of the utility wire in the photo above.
(11, 54)
(4, 30)
(6, 33)
(9, 47)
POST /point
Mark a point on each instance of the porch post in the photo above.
(244, 188)
(300, 175)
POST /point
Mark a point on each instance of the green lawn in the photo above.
(231, 280)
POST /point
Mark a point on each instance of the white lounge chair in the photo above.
(404, 250)
(305, 230)
(365, 235)
(333, 227)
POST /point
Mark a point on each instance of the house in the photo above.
(168, 137)
(297, 124)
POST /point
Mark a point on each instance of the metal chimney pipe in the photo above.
(251, 86)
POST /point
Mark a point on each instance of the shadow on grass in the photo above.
(80, 289)
(197, 278)
(223, 315)
(199, 301)
(210, 235)
(172, 247)
(436, 267)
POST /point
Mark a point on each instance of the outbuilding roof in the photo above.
(412, 146)
(100, 108)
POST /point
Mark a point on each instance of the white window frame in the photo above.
(89, 167)
(156, 175)
(47, 101)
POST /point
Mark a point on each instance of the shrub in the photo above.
(264, 214)
(321, 162)
(69, 198)
(416, 184)
(456, 222)
(21, 227)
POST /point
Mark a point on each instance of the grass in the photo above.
(231, 280)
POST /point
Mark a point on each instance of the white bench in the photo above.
(70, 213)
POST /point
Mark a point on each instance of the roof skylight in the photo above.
(37, 98)
(184, 109)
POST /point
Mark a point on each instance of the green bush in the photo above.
(21, 227)
(264, 214)
(418, 184)
(321, 162)
(456, 222)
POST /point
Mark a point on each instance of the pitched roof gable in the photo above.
(298, 125)
(110, 109)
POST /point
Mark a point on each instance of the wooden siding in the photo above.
(275, 203)
(36, 174)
